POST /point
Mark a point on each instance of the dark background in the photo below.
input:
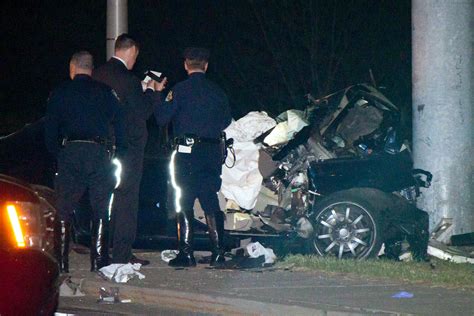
(267, 55)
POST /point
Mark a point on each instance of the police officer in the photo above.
(80, 117)
(199, 112)
(138, 106)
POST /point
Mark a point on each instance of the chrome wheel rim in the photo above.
(345, 230)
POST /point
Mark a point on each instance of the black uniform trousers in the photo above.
(125, 206)
(83, 166)
(198, 175)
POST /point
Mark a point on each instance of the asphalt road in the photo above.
(88, 306)
(204, 291)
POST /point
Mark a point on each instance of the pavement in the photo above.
(271, 291)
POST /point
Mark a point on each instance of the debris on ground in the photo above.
(121, 273)
(242, 262)
(70, 288)
(256, 250)
(251, 256)
(168, 255)
(453, 254)
(403, 294)
(111, 296)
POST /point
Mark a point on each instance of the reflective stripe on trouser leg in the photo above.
(176, 187)
(118, 180)
(98, 245)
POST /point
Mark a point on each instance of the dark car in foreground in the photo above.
(343, 185)
(29, 275)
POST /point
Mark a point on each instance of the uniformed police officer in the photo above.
(199, 112)
(79, 121)
(138, 106)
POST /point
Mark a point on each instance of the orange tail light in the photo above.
(15, 222)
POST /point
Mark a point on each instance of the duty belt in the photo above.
(192, 140)
(206, 140)
(93, 140)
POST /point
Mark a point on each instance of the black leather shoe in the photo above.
(143, 262)
(183, 260)
(185, 257)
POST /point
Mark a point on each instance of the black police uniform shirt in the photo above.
(83, 109)
(195, 106)
(138, 106)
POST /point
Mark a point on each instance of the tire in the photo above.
(347, 224)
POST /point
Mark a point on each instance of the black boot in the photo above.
(99, 244)
(62, 237)
(215, 225)
(185, 257)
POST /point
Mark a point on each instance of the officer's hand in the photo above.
(144, 85)
(150, 84)
(160, 86)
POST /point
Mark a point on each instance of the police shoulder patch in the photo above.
(169, 97)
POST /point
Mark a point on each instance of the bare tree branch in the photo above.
(267, 40)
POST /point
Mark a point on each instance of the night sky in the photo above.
(265, 54)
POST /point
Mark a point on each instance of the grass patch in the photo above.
(437, 272)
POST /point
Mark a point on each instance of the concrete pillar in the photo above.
(443, 101)
(117, 22)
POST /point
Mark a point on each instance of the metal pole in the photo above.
(443, 101)
(117, 23)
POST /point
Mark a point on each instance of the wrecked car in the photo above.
(334, 179)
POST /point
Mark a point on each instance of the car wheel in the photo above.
(347, 225)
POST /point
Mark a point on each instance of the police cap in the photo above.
(196, 53)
